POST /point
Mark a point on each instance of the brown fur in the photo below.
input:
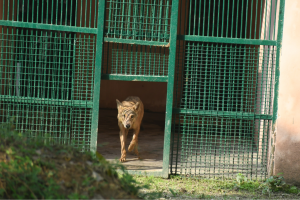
(130, 114)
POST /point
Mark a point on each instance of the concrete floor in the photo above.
(151, 140)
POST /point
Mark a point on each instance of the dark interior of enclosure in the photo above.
(151, 137)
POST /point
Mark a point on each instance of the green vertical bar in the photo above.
(8, 11)
(47, 19)
(81, 12)
(121, 21)
(13, 12)
(149, 69)
(32, 16)
(18, 10)
(37, 14)
(250, 33)
(213, 22)
(128, 20)
(255, 22)
(153, 21)
(203, 23)
(109, 18)
(75, 13)
(270, 20)
(94, 13)
(199, 18)
(218, 20)
(171, 67)
(189, 20)
(208, 21)
(277, 71)
(66, 14)
(237, 16)
(265, 18)
(232, 20)
(274, 32)
(246, 23)
(159, 21)
(166, 20)
(97, 78)
(56, 14)
(227, 22)
(195, 18)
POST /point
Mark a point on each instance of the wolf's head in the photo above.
(127, 114)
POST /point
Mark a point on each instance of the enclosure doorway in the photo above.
(151, 137)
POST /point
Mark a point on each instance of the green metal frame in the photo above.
(139, 42)
(197, 38)
(49, 27)
(97, 80)
(170, 87)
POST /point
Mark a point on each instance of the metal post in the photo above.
(171, 72)
(97, 78)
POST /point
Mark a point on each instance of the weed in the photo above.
(276, 183)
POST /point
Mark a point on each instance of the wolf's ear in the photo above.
(136, 106)
(119, 104)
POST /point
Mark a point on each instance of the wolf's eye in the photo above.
(124, 116)
(132, 116)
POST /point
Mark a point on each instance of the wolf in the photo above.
(130, 116)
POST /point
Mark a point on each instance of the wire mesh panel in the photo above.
(129, 59)
(223, 98)
(251, 19)
(138, 20)
(76, 13)
(47, 77)
(226, 77)
(224, 87)
(219, 146)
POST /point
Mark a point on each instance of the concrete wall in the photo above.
(287, 152)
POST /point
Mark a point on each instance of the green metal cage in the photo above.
(47, 68)
(219, 58)
(225, 87)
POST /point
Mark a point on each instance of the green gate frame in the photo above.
(170, 81)
(241, 41)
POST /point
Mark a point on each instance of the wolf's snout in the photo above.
(127, 125)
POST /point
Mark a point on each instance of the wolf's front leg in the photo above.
(134, 142)
(123, 136)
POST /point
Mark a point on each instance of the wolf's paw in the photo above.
(131, 147)
(122, 159)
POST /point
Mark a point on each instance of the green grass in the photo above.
(178, 187)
